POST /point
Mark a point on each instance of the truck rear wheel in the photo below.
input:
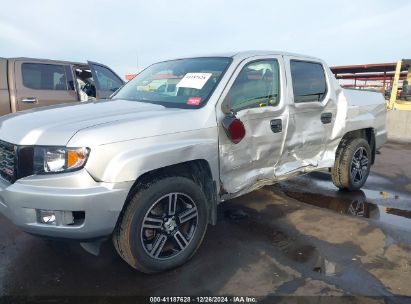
(352, 164)
(163, 225)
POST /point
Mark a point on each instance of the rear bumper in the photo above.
(101, 204)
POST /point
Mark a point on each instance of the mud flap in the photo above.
(93, 247)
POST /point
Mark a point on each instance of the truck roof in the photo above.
(246, 54)
(47, 60)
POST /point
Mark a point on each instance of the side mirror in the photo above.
(226, 106)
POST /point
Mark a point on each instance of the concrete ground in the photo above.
(300, 237)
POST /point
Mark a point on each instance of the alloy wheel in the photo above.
(359, 165)
(169, 226)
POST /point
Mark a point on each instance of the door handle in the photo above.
(276, 125)
(326, 118)
(31, 100)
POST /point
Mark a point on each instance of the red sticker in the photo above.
(194, 101)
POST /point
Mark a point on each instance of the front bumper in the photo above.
(101, 204)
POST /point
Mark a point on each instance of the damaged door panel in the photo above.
(312, 99)
(299, 134)
(255, 97)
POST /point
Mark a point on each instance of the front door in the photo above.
(256, 96)
(106, 81)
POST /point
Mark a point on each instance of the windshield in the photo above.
(183, 83)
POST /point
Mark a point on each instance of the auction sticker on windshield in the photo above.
(194, 101)
(194, 80)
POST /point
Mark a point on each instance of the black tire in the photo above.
(130, 238)
(348, 173)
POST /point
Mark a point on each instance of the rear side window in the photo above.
(309, 82)
(40, 76)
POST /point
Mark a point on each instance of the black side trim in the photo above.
(25, 155)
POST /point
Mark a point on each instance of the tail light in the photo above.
(234, 128)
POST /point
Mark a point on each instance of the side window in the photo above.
(257, 85)
(40, 76)
(309, 82)
(107, 80)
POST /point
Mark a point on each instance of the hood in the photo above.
(58, 124)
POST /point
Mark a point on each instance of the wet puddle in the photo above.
(302, 254)
(317, 189)
(292, 248)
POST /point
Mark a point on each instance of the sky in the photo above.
(130, 35)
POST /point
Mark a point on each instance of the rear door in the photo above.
(313, 108)
(106, 81)
(41, 84)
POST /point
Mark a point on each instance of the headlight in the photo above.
(59, 159)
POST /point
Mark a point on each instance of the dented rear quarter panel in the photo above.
(366, 109)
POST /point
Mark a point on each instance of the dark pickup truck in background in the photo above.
(27, 83)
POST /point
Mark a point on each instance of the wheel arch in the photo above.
(367, 133)
(198, 170)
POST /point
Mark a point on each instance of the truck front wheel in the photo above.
(163, 225)
(352, 164)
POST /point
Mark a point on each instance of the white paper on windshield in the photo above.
(194, 80)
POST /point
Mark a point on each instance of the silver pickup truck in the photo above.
(150, 166)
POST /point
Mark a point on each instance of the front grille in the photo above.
(8, 161)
